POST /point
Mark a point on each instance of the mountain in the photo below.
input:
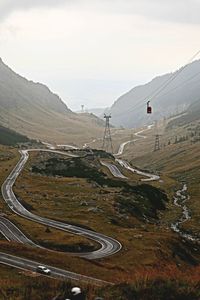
(176, 96)
(191, 115)
(97, 111)
(32, 109)
(195, 107)
(10, 137)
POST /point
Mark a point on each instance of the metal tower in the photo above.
(157, 142)
(107, 140)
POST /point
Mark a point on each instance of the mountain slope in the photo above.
(192, 114)
(32, 109)
(16, 88)
(11, 138)
(130, 109)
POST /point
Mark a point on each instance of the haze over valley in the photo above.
(32, 109)
(99, 150)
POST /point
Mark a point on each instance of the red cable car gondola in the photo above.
(149, 108)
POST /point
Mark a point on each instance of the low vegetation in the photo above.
(155, 284)
(10, 137)
(142, 201)
(154, 263)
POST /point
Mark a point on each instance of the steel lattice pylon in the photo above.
(107, 140)
(157, 142)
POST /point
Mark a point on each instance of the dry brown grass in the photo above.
(145, 246)
(54, 127)
(176, 163)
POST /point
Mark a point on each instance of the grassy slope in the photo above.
(33, 110)
(177, 162)
(10, 137)
(54, 127)
(144, 244)
(147, 240)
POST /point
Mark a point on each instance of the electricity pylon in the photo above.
(157, 142)
(107, 140)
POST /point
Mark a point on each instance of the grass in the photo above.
(179, 163)
(10, 137)
(143, 242)
(159, 289)
(74, 195)
(18, 285)
(154, 262)
(158, 283)
(35, 124)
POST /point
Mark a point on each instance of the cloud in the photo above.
(178, 11)
(8, 6)
(53, 41)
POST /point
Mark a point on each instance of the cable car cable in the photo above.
(160, 88)
(182, 84)
(173, 77)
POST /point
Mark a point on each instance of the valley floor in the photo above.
(150, 248)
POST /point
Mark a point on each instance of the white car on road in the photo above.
(43, 270)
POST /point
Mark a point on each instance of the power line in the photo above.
(172, 77)
(157, 91)
(182, 84)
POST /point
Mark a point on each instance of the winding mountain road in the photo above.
(126, 165)
(108, 245)
(12, 233)
(138, 134)
(57, 273)
(113, 169)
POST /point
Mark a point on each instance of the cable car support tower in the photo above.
(107, 139)
(157, 142)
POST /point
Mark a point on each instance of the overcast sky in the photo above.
(92, 51)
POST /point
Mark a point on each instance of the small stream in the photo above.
(180, 200)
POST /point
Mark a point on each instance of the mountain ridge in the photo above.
(129, 110)
(31, 109)
(10, 76)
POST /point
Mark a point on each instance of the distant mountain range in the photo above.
(97, 111)
(180, 94)
(33, 110)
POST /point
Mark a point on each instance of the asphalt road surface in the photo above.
(57, 273)
(113, 169)
(108, 245)
(151, 177)
(138, 134)
(12, 233)
(126, 165)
